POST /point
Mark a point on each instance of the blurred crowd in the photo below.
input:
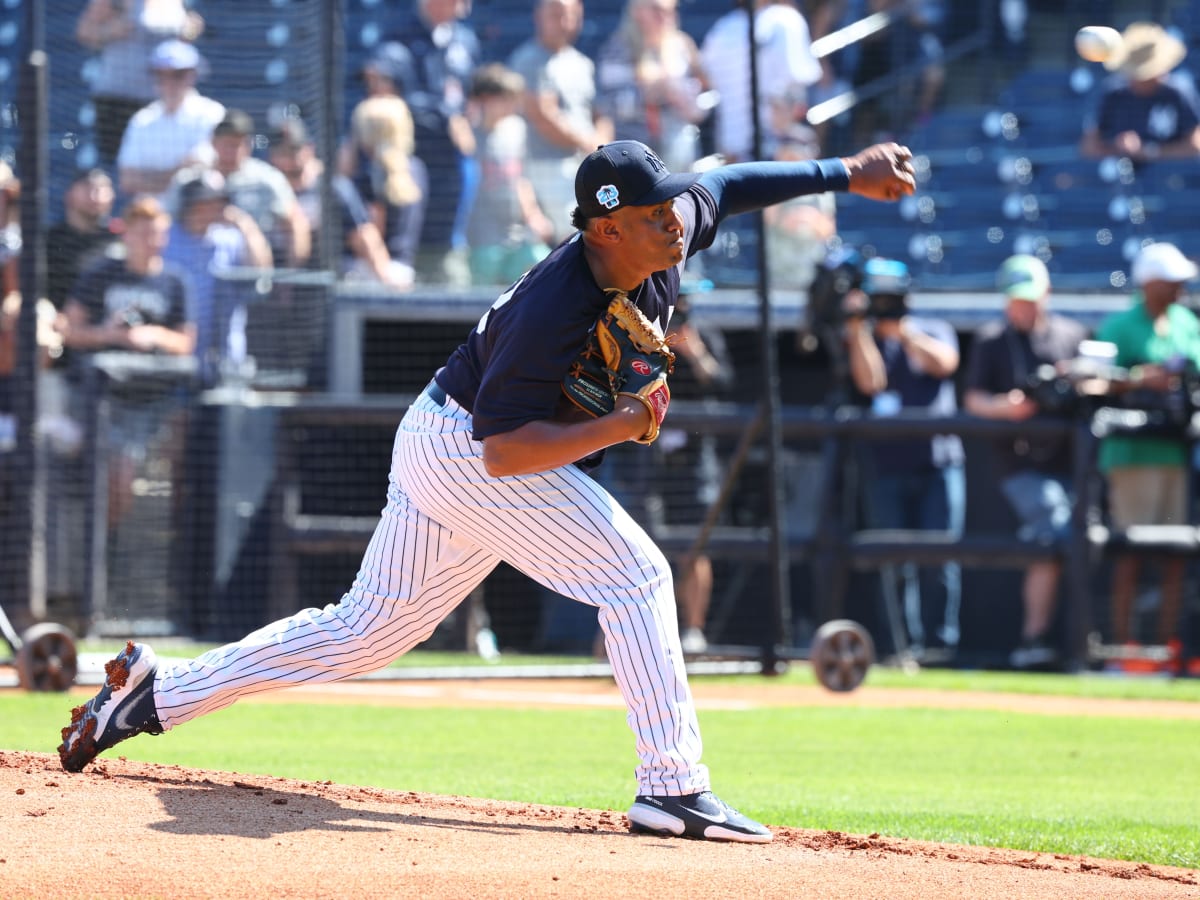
(456, 167)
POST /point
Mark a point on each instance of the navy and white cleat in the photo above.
(702, 815)
(123, 707)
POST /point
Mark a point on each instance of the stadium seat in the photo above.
(1069, 171)
(956, 128)
(965, 208)
(1051, 87)
(960, 171)
(1168, 176)
(964, 252)
(861, 213)
(894, 243)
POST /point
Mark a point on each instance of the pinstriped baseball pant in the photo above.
(446, 525)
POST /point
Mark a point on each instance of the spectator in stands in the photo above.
(1147, 111)
(125, 33)
(1035, 475)
(172, 132)
(799, 230)
(650, 82)
(257, 187)
(392, 181)
(1157, 339)
(914, 36)
(507, 230)
(83, 235)
(389, 72)
(386, 74)
(900, 362)
(786, 69)
(560, 92)
(445, 52)
(360, 251)
(137, 303)
(209, 238)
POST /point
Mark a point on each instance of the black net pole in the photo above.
(776, 636)
(32, 172)
(328, 134)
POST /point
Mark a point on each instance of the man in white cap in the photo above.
(1157, 338)
(1148, 113)
(1035, 474)
(175, 130)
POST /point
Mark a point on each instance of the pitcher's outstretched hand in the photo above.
(882, 172)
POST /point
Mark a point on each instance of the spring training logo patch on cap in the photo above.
(608, 196)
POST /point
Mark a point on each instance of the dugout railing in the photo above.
(834, 549)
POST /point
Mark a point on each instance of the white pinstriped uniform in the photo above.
(446, 525)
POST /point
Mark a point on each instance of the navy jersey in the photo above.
(1168, 114)
(509, 370)
(108, 289)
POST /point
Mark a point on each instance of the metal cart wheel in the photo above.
(46, 659)
(841, 654)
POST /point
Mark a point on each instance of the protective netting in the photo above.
(205, 493)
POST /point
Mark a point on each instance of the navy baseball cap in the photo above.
(625, 173)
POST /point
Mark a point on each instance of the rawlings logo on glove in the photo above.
(625, 355)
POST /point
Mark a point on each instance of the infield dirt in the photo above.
(128, 829)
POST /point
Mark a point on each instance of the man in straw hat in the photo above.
(1146, 113)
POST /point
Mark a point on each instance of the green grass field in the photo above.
(1116, 787)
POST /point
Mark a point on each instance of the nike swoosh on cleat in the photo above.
(719, 821)
(121, 718)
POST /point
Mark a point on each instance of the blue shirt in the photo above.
(201, 259)
(915, 390)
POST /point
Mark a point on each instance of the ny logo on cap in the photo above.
(608, 196)
(655, 163)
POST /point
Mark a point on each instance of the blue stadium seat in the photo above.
(951, 128)
(895, 242)
(1083, 257)
(861, 213)
(1044, 86)
(1168, 176)
(1046, 125)
(1082, 209)
(964, 208)
(1069, 171)
(964, 252)
(963, 170)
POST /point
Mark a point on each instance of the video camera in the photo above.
(885, 282)
(1078, 386)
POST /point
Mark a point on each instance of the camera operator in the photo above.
(1158, 340)
(900, 362)
(1035, 474)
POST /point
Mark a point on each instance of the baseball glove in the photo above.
(625, 355)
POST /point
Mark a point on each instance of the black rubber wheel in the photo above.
(46, 659)
(842, 652)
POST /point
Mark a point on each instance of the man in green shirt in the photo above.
(1156, 340)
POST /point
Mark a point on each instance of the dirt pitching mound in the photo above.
(125, 829)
